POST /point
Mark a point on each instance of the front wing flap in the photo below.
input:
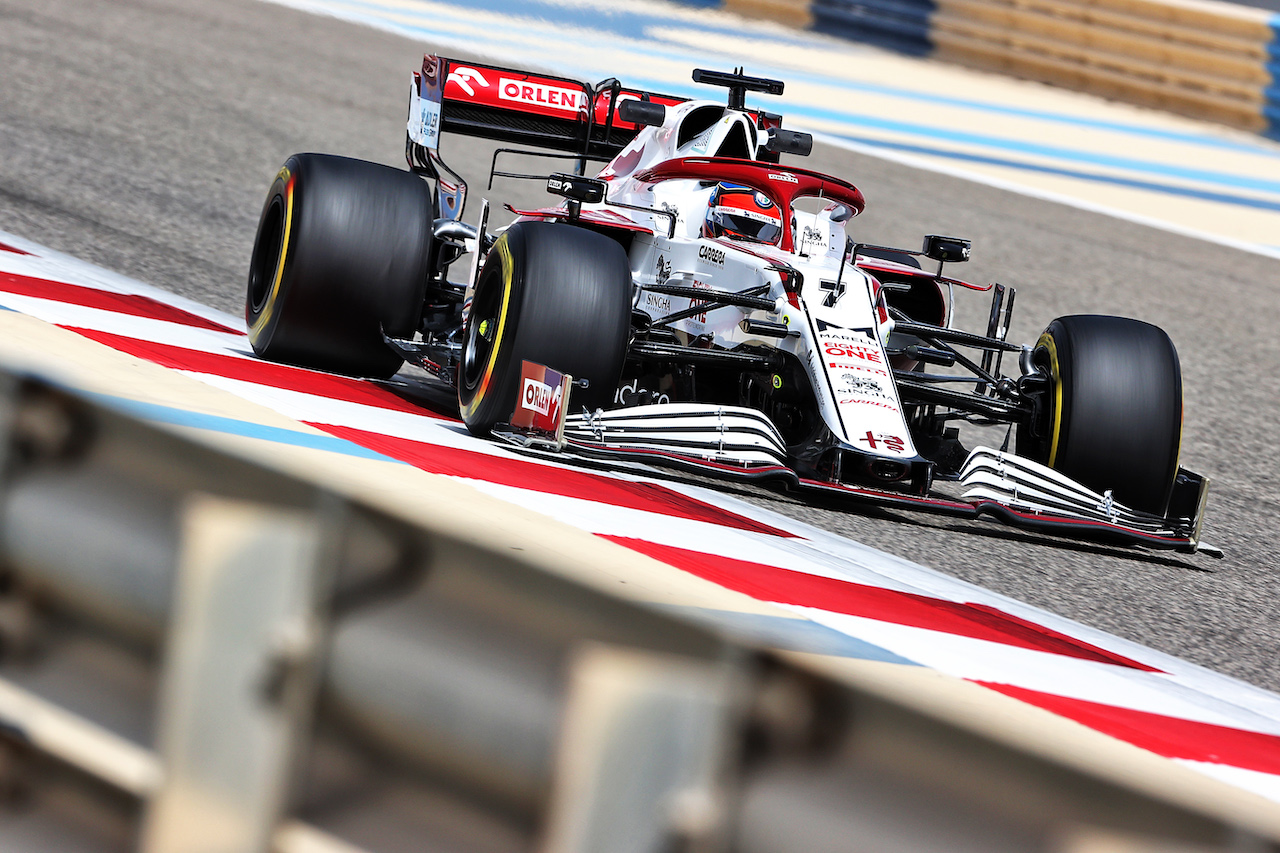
(1028, 495)
(738, 443)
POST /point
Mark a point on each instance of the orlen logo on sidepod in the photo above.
(542, 95)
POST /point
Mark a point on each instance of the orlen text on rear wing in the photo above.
(509, 105)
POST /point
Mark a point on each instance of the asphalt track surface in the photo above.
(141, 135)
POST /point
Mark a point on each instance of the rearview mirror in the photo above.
(642, 112)
(789, 142)
(952, 250)
(577, 187)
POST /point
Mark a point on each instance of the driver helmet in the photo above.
(742, 213)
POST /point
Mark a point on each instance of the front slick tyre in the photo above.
(1115, 416)
(341, 255)
(557, 295)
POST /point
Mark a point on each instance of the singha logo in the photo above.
(813, 237)
(861, 385)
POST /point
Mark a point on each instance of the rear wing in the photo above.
(515, 106)
(508, 105)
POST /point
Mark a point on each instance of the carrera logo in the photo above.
(711, 255)
(539, 396)
(555, 97)
(783, 176)
(857, 402)
(464, 78)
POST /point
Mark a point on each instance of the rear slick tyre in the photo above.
(341, 255)
(558, 295)
(1114, 419)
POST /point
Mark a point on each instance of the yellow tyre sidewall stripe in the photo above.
(1046, 341)
(263, 320)
(504, 252)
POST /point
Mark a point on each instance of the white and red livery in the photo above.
(709, 307)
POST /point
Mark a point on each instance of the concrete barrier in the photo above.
(1199, 58)
(222, 628)
(301, 666)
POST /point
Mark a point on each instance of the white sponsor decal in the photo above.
(711, 255)
(424, 120)
(746, 214)
(539, 396)
(703, 139)
(464, 77)
(634, 395)
(783, 176)
(555, 97)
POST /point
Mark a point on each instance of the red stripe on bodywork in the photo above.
(1171, 737)
(5, 247)
(133, 304)
(363, 391)
(784, 586)
(548, 479)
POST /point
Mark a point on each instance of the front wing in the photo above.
(742, 444)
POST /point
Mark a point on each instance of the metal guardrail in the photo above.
(201, 652)
(1200, 58)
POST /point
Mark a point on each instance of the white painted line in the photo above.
(924, 164)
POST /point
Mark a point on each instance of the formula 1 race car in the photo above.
(697, 304)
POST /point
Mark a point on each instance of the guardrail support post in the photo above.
(644, 754)
(239, 677)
